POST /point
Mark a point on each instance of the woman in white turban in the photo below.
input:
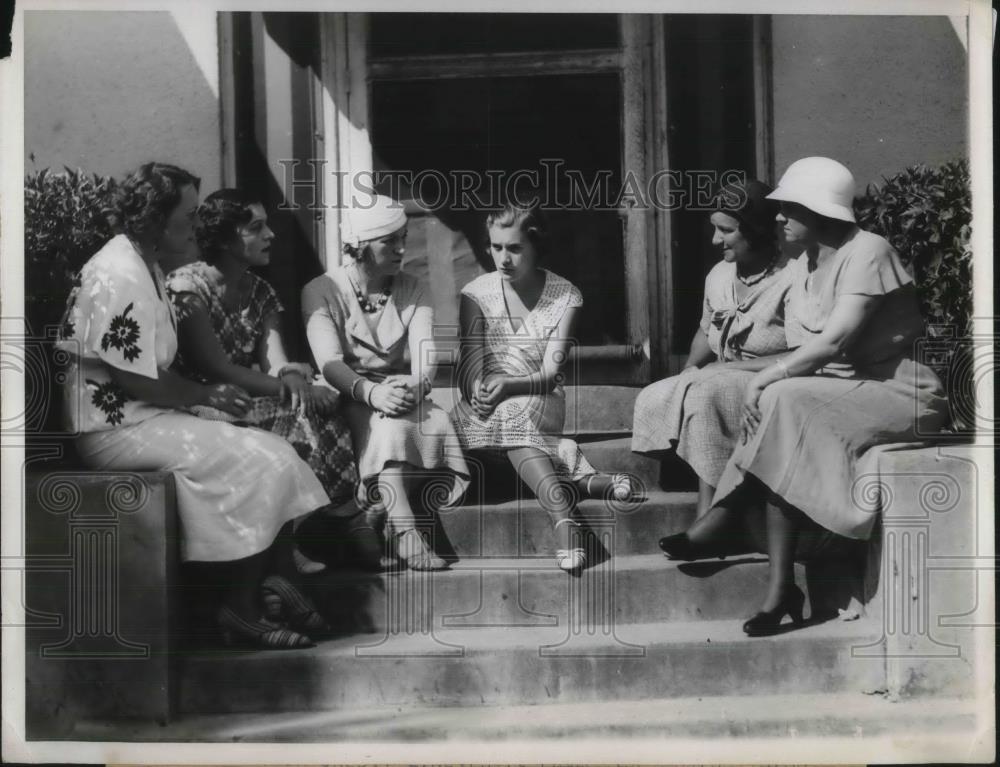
(370, 328)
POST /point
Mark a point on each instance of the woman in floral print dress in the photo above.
(228, 321)
(235, 487)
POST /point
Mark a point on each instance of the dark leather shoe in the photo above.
(679, 546)
(768, 622)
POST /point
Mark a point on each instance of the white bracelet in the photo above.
(780, 364)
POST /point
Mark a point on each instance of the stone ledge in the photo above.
(102, 557)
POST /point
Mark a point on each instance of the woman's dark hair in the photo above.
(147, 197)
(747, 202)
(530, 220)
(220, 217)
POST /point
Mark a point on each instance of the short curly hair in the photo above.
(530, 220)
(220, 217)
(147, 197)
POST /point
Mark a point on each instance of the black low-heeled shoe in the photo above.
(679, 546)
(768, 622)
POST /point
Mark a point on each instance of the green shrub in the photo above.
(64, 225)
(926, 213)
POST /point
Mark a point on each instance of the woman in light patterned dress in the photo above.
(236, 487)
(229, 321)
(516, 326)
(370, 327)
(698, 412)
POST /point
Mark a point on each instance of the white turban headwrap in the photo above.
(371, 218)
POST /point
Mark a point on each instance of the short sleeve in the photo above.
(873, 269)
(265, 299)
(188, 291)
(116, 319)
(575, 298)
(322, 328)
(714, 281)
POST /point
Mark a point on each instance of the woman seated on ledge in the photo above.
(236, 487)
(699, 412)
(850, 384)
(517, 323)
(362, 320)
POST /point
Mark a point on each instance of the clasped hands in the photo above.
(488, 393)
(398, 395)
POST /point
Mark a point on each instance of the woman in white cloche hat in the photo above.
(850, 384)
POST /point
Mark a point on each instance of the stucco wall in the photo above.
(107, 91)
(878, 93)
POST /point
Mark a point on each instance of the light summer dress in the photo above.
(531, 420)
(699, 411)
(815, 432)
(338, 330)
(236, 487)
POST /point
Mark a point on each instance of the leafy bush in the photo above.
(926, 214)
(64, 225)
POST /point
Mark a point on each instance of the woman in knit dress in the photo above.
(228, 321)
(698, 412)
(852, 383)
(370, 328)
(516, 325)
(236, 487)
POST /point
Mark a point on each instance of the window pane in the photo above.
(422, 34)
(510, 124)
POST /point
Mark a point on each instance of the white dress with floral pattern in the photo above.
(235, 486)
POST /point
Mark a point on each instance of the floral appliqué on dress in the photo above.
(123, 335)
(110, 398)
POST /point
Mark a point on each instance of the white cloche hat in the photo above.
(820, 184)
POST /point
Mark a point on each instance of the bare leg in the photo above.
(602, 485)
(705, 494)
(539, 473)
(782, 536)
(399, 479)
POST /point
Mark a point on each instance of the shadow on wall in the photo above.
(107, 91)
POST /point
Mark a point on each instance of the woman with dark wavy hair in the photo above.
(228, 322)
(698, 412)
(236, 487)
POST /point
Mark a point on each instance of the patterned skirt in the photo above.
(524, 421)
(698, 413)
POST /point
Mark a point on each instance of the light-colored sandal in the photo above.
(570, 560)
(304, 564)
(414, 551)
(621, 487)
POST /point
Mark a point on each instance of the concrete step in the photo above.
(505, 593)
(730, 719)
(521, 528)
(474, 667)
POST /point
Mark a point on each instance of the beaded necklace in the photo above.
(748, 281)
(367, 306)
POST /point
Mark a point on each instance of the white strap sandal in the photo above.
(570, 560)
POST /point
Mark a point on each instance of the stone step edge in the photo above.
(859, 716)
(474, 641)
(653, 498)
